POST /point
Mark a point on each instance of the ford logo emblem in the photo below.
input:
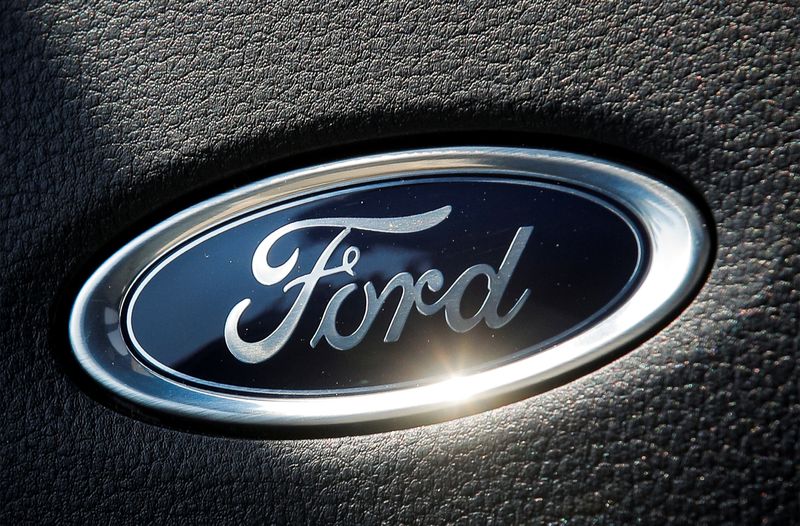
(388, 286)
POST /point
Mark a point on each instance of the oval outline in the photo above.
(675, 230)
(141, 280)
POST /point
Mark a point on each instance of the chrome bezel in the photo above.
(676, 234)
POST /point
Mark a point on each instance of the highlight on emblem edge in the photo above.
(388, 285)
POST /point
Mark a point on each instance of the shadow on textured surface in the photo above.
(112, 111)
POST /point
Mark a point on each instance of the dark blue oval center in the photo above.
(583, 256)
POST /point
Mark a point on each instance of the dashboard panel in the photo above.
(117, 115)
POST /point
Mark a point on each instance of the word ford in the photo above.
(433, 280)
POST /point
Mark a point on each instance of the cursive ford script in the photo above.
(433, 280)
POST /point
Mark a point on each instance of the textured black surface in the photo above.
(112, 110)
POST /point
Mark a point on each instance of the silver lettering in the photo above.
(411, 292)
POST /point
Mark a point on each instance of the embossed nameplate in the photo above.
(388, 285)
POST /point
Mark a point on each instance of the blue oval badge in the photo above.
(387, 286)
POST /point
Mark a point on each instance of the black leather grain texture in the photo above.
(113, 110)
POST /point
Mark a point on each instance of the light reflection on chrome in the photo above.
(677, 236)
